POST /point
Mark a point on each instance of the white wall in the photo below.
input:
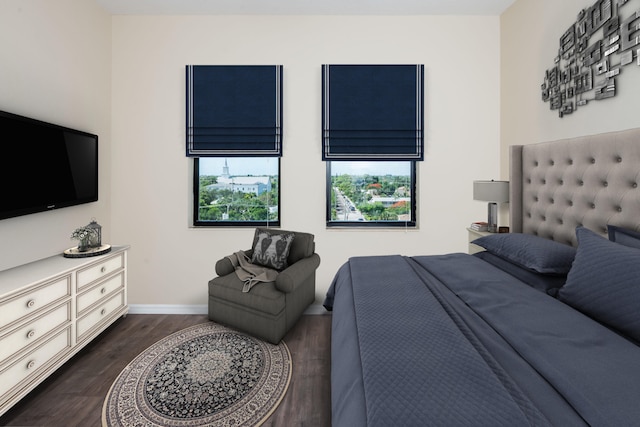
(170, 263)
(62, 61)
(55, 66)
(530, 38)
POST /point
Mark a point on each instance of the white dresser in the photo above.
(50, 309)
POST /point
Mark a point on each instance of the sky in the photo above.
(269, 166)
(371, 168)
(258, 166)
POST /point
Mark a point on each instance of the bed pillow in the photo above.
(604, 282)
(624, 236)
(529, 251)
(547, 283)
(272, 250)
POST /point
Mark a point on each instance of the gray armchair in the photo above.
(269, 309)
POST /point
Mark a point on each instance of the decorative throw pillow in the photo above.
(529, 251)
(624, 236)
(272, 250)
(604, 282)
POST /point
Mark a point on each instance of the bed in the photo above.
(542, 328)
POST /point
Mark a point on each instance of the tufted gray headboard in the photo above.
(591, 181)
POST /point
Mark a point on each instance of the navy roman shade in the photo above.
(372, 112)
(234, 110)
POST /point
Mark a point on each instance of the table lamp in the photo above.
(493, 192)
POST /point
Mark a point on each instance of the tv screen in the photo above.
(44, 166)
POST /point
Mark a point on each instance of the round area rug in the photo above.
(203, 375)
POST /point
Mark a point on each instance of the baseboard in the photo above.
(313, 309)
(167, 309)
(316, 309)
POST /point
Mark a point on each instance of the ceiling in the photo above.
(305, 7)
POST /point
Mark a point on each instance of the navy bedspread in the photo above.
(451, 340)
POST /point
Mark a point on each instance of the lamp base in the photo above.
(492, 220)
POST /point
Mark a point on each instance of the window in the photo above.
(371, 194)
(234, 134)
(372, 137)
(236, 191)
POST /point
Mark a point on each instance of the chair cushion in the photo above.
(302, 246)
(272, 250)
(263, 297)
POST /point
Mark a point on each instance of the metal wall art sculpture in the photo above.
(593, 51)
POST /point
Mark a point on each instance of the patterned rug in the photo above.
(203, 375)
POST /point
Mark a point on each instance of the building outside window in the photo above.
(361, 193)
(237, 191)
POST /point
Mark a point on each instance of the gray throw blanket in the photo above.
(250, 274)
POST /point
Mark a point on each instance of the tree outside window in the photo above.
(363, 193)
(237, 191)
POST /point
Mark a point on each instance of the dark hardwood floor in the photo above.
(73, 395)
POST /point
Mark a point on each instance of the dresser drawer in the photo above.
(33, 363)
(102, 269)
(25, 336)
(91, 296)
(99, 315)
(20, 306)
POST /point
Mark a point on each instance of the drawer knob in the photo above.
(103, 269)
(31, 303)
(103, 311)
(31, 333)
(31, 364)
(103, 290)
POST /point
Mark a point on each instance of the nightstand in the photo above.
(473, 235)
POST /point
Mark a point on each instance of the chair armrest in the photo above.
(224, 265)
(291, 277)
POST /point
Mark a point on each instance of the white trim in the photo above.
(316, 308)
(313, 309)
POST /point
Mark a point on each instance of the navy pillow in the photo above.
(624, 236)
(529, 251)
(604, 282)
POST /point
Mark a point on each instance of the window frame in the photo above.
(412, 223)
(227, 223)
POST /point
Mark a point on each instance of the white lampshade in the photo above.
(491, 191)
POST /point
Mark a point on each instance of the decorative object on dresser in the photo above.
(84, 236)
(207, 374)
(96, 238)
(493, 192)
(89, 240)
(52, 308)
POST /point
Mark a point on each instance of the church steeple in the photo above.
(225, 169)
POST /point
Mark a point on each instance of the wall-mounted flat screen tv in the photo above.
(44, 166)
